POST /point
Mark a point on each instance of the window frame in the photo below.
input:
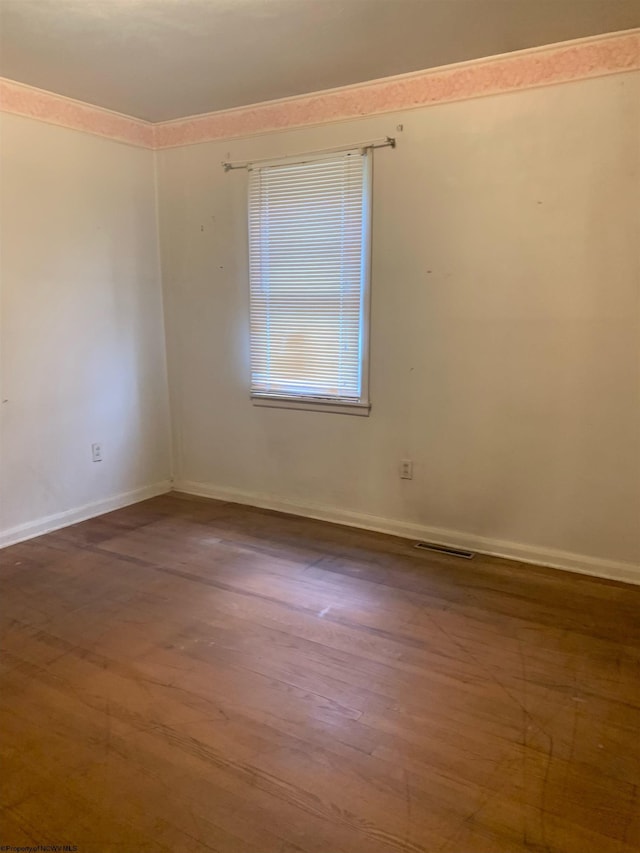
(307, 402)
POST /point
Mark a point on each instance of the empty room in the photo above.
(320, 426)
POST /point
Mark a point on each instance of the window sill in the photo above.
(337, 408)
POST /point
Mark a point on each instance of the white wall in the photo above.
(505, 330)
(82, 336)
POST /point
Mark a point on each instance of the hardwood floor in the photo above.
(187, 675)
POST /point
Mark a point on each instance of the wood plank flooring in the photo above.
(189, 675)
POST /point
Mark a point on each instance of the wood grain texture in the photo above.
(189, 675)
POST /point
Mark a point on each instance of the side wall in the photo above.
(505, 330)
(82, 335)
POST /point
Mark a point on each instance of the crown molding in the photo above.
(580, 59)
(29, 102)
(526, 69)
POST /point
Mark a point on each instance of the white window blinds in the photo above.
(309, 245)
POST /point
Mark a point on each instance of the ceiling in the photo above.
(165, 59)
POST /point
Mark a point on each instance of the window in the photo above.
(309, 228)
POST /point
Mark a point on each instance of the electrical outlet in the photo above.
(96, 452)
(406, 469)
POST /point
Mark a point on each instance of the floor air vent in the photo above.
(444, 549)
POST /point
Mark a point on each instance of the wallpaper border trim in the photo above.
(580, 59)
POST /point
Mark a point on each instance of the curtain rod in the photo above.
(387, 142)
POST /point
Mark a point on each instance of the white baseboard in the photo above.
(581, 563)
(71, 516)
